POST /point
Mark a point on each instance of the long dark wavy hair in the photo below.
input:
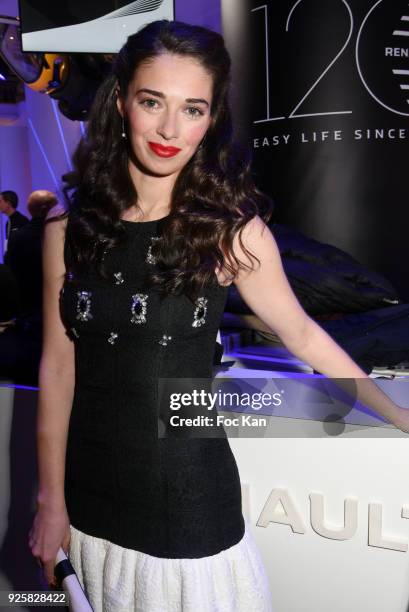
(213, 197)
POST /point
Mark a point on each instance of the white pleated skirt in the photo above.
(117, 579)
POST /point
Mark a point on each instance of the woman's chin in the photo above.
(155, 167)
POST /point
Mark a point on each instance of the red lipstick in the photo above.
(163, 151)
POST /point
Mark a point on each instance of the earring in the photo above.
(123, 128)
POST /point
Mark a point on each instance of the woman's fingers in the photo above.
(45, 561)
(48, 569)
(49, 531)
(66, 544)
(32, 542)
(31, 537)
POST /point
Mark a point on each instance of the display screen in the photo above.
(78, 26)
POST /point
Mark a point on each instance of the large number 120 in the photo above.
(294, 113)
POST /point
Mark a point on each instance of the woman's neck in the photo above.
(154, 192)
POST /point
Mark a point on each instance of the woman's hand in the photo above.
(49, 532)
(402, 420)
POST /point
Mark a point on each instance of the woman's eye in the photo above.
(152, 104)
(149, 103)
(194, 112)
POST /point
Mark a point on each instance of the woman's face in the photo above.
(167, 109)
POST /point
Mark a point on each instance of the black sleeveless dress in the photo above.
(176, 499)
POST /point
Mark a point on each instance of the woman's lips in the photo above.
(163, 151)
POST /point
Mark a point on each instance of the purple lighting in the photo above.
(2, 77)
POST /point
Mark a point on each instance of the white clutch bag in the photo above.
(68, 581)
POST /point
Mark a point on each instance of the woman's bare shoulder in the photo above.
(56, 211)
(248, 236)
(53, 242)
(56, 223)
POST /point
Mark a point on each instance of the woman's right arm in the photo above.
(56, 388)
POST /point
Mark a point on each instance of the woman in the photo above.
(163, 217)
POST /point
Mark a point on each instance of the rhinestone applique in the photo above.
(150, 259)
(70, 276)
(164, 340)
(84, 305)
(112, 337)
(105, 251)
(139, 308)
(75, 333)
(118, 278)
(199, 316)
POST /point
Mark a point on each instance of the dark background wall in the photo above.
(321, 90)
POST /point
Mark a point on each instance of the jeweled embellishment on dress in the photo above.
(112, 337)
(118, 278)
(199, 315)
(139, 308)
(84, 305)
(75, 333)
(150, 259)
(165, 339)
(104, 252)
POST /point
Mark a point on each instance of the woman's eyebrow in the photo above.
(159, 94)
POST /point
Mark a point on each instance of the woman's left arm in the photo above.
(268, 294)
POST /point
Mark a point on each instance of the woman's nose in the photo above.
(168, 127)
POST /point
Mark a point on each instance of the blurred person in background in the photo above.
(9, 298)
(8, 206)
(21, 340)
(9, 307)
(24, 252)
